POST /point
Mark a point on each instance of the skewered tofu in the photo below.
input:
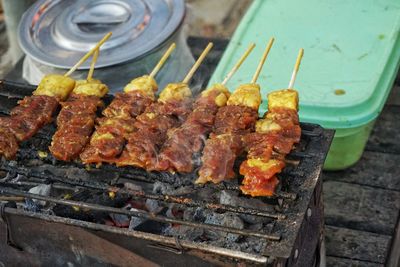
(55, 85)
(145, 84)
(246, 95)
(287, 98)
(222, 98)
(90, 88)
(175, 91)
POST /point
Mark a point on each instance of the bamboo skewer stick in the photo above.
(162, 60)
(238, 64)
(296, 68)
(197, 63)
(92, 65)
(264, 57)
(88, 54)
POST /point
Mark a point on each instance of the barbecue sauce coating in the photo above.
(267, 147)
(128, 105)
(224, 144)
(112, 130)
(178, 152)
(30, 115)
(75, 124)
(263, 188)
(151, 132)
(8, 143)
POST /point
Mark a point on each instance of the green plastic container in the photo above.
(352, 55)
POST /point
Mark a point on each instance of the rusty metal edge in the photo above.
(142, 235)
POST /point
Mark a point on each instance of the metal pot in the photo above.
(56, 33)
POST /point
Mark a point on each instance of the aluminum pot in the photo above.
(54, 34)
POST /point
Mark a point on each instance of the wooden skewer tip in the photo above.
(238, 63)
(162, 60)
(262, 60)
(92, 65)
(88, 54)
(197, 63)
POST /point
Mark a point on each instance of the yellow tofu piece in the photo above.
(266, 125)
(96, 136)
(263, 165)
(222, 97)
(175, 91)
(145, 84)
(55, 85)
(287, 98)
(92, 87)
(246, 95)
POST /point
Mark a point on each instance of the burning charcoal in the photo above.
(18, 178)
(208, 194)
(43, 190)
(233, 199)
(152, 206)
(184, 190)
(234, 221)
(175, 211)
(34, 162)
(120, 220)
(135, 222)
(30, 205)
(162, 188)
(188, 214)
(225, 219)
(199, 215)
(131, 186)
(256, 226)
(184, 232)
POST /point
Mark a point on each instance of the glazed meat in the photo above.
(178, 152)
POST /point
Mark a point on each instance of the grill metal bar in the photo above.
(185, 201)
(141, 214)
(142, 235)
(193, 203)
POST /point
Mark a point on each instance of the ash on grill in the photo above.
(170, 205)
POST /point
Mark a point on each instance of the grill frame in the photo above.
(304, 221)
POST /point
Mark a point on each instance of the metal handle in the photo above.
(109, 13)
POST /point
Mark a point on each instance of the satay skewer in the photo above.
(296, 68)
(170, 111)
(75, 122)
(176, 154)
(275, 135)
(232, 121)
(33, 112)
(112, 130)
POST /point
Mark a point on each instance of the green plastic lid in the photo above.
(351, 57)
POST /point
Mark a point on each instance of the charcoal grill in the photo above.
(293, 218)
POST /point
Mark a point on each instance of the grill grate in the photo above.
(286, 209)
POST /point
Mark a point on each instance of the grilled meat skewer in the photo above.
(32, 113)
(224, 144)
(108, 140)
(76, 119)
(267, 147)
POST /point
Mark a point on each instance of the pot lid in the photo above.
(58, 32)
